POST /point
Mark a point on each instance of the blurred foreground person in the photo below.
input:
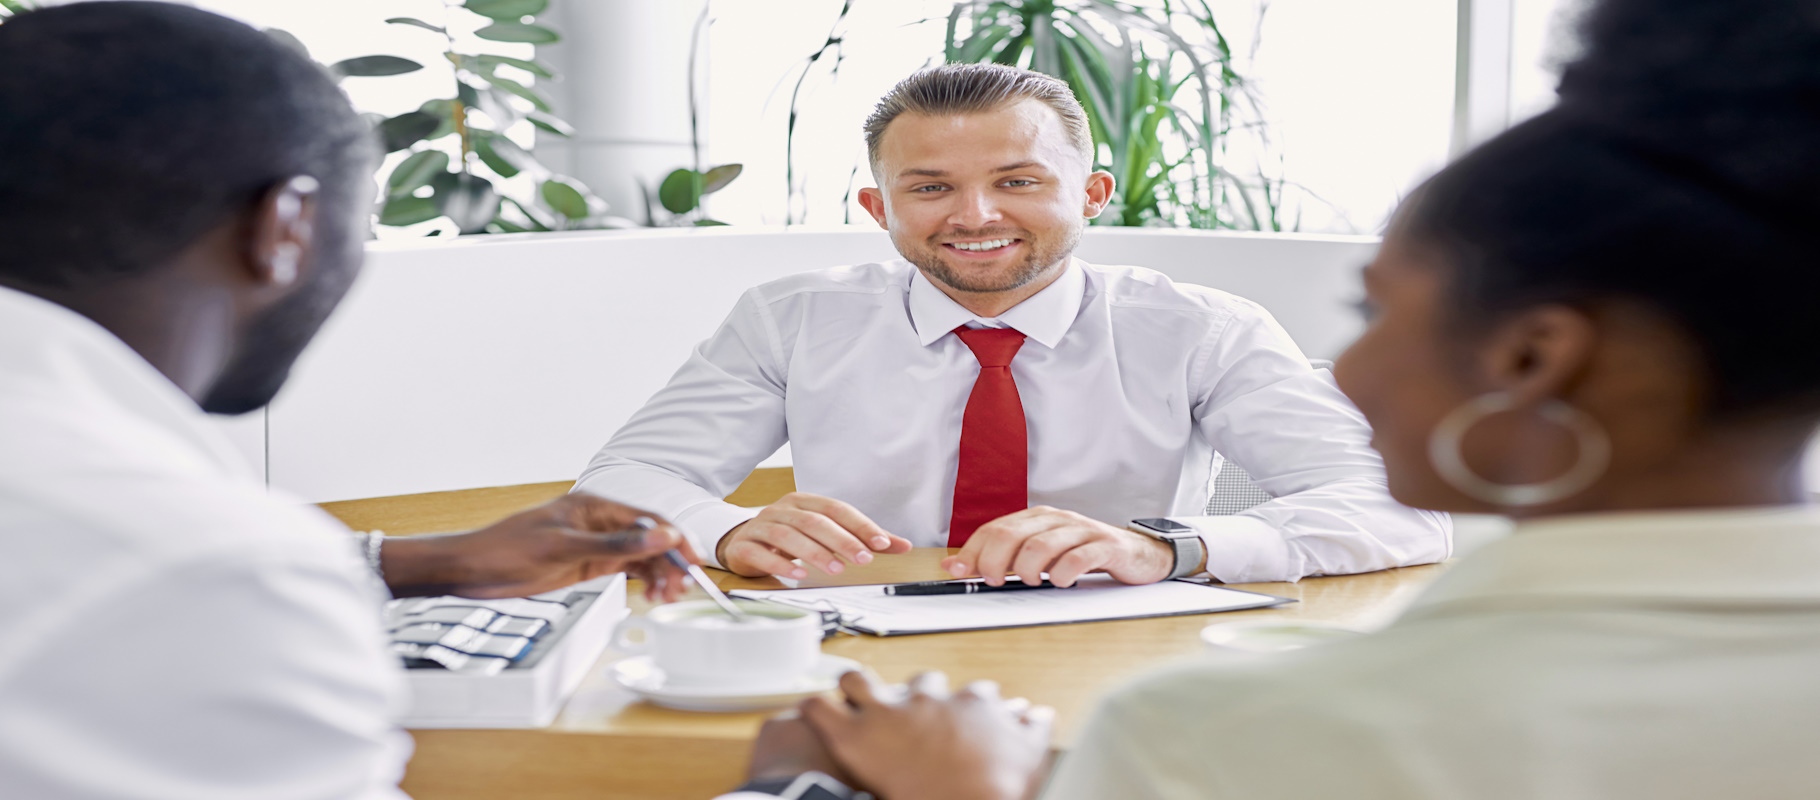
(182, 203)
(1601, 322)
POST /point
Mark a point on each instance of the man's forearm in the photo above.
(421, 566)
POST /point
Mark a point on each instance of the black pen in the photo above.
(968, 586)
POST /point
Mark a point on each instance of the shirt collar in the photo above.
(49, 350)
(1755, 557)
(1044, 317)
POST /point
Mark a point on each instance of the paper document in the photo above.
(1096, 598)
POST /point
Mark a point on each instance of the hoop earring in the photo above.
(1444, 452)
(285, 256)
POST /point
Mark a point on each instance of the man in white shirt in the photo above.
(182, 202)
(1104, 395)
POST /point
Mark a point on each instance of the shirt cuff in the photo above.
(1242, 549)
(707, 523)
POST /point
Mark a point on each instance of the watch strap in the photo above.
(1190, 552)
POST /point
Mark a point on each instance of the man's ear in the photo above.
(1540, 352)
(873, 201)
(1100, 186)
(283, 232)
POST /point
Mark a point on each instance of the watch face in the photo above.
(1163, 525)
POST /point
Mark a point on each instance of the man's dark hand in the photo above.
(926, 743)
(563, 542)
(787, 747)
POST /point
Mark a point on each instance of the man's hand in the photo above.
(929, 744)
(787, 747)
(1062, 543)
(822, 531)
(563, 542)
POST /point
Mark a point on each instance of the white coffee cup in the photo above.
(697, 644)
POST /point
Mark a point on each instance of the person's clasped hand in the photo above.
(563, 542)
(1064, 544)
(921, 741)
(823, 532)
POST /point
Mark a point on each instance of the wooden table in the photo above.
(608, 744)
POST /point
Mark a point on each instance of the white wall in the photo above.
(509, 359)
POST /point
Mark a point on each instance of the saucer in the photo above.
(646, 680)
(1271, 636)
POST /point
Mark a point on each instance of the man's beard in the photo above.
(273, 341)
(927, 256)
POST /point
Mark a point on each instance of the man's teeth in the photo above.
(990, 244)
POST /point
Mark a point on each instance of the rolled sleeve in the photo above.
(708, 523)
(1241, 549)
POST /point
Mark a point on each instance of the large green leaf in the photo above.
(518, 32)
(415, 22)
(717, 178)
(538, 68)
(444, 112)
(468, 200)
(416, 171)
(537, 99)
(467, 94)
(566, 199)
(406, 129)
(680, 192)
(373, 67)
(408, 210)
(550, 124)
(506, 9)
(502, 155)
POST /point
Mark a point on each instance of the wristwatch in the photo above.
(806, 786)
(1189, 550)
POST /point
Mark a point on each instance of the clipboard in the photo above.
(866, 609)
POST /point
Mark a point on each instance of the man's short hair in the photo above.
(952, 89)
(130, 129)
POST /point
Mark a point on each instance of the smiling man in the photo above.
(991, 392)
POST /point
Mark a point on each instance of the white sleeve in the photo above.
(694, 441)
(1287, 424)
(239, 674)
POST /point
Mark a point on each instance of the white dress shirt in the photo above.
(1666, 655)
(167, 627)
(1130, 384)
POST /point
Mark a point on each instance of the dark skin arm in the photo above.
(562, 542)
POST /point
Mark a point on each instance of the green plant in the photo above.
(681, 191)
(11, 7)
(492, 93)
(1162, 96)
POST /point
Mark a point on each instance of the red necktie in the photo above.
(993, 477)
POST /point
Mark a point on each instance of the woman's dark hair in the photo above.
(1680, 170)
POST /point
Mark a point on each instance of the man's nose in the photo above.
(975, 209)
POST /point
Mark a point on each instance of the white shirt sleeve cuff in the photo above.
(705, 524)
(1242, 549)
